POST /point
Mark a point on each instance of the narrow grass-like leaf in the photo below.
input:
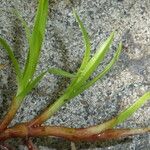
(28, 36)
(6, 46)
(106, 69)
(99, 76)
(36, 40)
(16, 13)
(98, 57)
(24, 24)
(26, 64)
(33, 84)
(83, 75)
(133, 108)
(122, 116)
(86, 41)
(94, 62)
(61, 73)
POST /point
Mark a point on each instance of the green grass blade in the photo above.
(26, 64)
(106, 70)
(61, 72)
(28, 36)
(122, 116)
(86, 41)
(133, 108)
(36, 40)
(24, 24)
(94, 62)
(83, 75)
(98, 57)
(33, 84)
(6, 46)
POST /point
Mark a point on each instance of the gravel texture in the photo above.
(63, 48)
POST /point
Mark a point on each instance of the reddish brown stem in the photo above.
(72, 134)
(10, 114)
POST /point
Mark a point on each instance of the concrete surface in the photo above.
(63, 47)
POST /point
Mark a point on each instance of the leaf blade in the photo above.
(86, 41)
(99, 55)
(24, 24)
(61, 72)
(36, 40)
(122, 116)
(28, 36)
(94, 62)
(32, 84)
(104, 72)
(134, 107)
(6, 46)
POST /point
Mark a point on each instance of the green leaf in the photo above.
(106, 69)
(27, 30)
(133, 108)
(36, 41)
(32, 84)
(122, 116)
(61, 72)
(26, 64)
(99, 76)
(94, 62)
(28, 35)
(98, 57)
(86, 42)
(6, 46)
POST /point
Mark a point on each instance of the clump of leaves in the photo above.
(26, 81)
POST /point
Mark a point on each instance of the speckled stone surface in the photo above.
(63, 47)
